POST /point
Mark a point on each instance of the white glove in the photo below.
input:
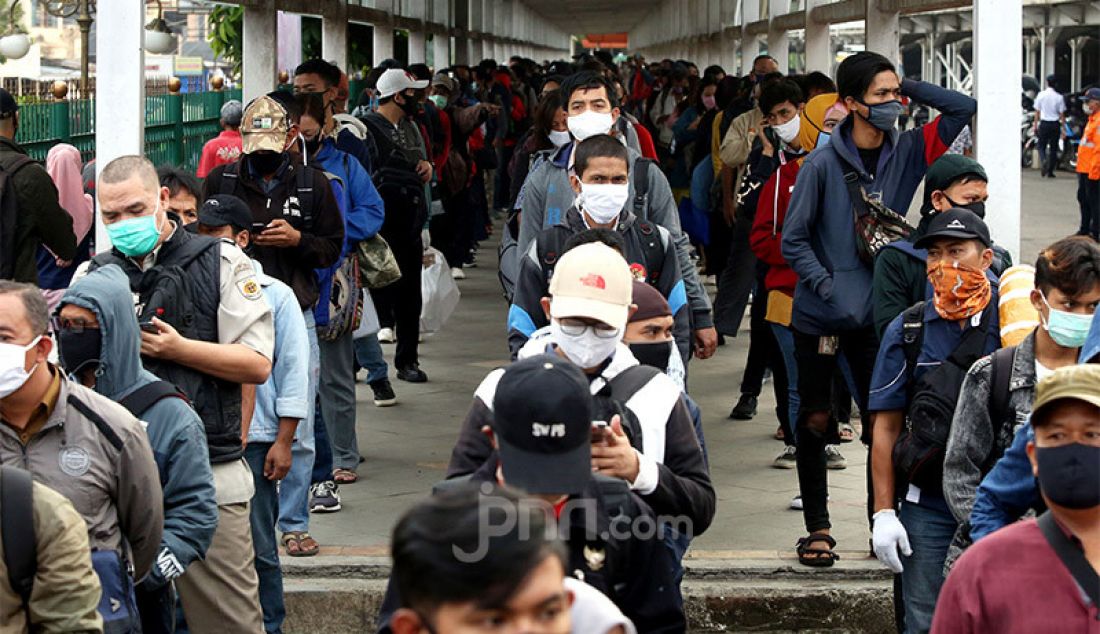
(888, 537)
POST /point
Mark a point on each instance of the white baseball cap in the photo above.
(396, 80)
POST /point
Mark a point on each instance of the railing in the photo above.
(176, 126)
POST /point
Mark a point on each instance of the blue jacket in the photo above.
(361, 206)
(175, 430)
(1092, 343)
(1008, 491)
(285, 393)
(834, 286)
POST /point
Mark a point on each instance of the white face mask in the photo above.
(586, 350)
(603, 202)
(788, 131)
(559, 137)
(589, 123)
(12, 359)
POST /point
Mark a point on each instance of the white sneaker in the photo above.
(386, 335)
(786, 458)
(457, 273)
(833, 458)
(796, 502)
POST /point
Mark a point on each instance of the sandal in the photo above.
(846, 432)
(816, 557)
(300, 544)
(344, 476)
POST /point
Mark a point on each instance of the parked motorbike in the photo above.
(1029, 140)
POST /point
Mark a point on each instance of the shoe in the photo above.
(833, 459)
(386, 335)
(796, 502)
(324, 497)
(383, 393)
(457, 273)
(786, 459)
(412, 374)
(745, 408)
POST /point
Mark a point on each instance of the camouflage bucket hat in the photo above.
(264, 126)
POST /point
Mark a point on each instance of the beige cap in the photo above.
(264, 126)
(592, 280)
(1079, 382)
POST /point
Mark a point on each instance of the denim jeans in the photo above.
(264, 514)
(930, 530)
(368, 352)
(784, 340)
(336, 395)
(294, 489)
(322, 458)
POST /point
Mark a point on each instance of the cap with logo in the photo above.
(232, 112)
(1077, 382)
(955, 223)
(542, 418)
(396, 80)
(592, 280)
(220, 210)
(264, 126)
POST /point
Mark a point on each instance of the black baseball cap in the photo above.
(223, 209)
(955, 223)
(8, 105)
(542, 420)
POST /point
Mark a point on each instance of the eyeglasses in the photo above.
(575, 327)
(58, 324)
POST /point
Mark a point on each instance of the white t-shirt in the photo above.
(1050, 105)
(1041, 371)
(592, 612)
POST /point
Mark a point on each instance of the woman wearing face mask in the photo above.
(689, 115)
(548, 131)
(1066, 294)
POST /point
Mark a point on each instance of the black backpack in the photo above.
(9, 212)
(141, 399)
(919, 450)
(17, 527)
(548, 243)
(168, 292)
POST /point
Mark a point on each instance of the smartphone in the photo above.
(258, 227)
(149, 327)
(599, 428)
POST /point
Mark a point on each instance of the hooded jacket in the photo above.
(819, 241)
(175, 431)
(547, 195)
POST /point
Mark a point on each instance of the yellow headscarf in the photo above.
(813, 118)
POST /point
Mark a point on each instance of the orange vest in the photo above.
(1088, 152)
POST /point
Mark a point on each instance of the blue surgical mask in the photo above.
(1068, 330)
(137, 236)
(823, 139)
(884, 116)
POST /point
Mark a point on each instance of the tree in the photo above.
(226, 29)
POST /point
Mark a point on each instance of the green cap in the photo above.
(1077, 382)
(946, 170)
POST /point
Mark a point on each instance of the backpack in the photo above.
(546, 245)
(919, 450)
(398, 184)
(168, 292)
(612, 398)
(141, 399)
(17, 528)
(9, 212)
(303, 197)
(1000, 368)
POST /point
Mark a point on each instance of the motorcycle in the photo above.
(1029, 139)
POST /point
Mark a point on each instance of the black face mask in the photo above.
(1070, 475)
(410, 106)
(652, 354)
(978, 206)
(264, 163)
(312, 145)
(79, 350)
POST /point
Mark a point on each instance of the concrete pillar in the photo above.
(779, 45)
(1048, 39)
(750, 45)
(417, 47)
(383, 42)
(819, 47)
(258, 72)
(998, 128)
(334, 34)
(1076, 45)
(441, 51)
(883, 34)
(928, 58)
(120, 120)
(1031, 46)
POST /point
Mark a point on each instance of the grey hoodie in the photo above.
(175, 430)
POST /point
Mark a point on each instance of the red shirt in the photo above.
(1012, 581)
(221, 150)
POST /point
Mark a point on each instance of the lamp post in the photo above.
(84, 11)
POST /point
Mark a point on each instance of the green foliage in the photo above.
(226, 34)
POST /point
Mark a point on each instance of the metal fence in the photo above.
(176, 126)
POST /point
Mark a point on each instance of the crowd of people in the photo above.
(184, 398)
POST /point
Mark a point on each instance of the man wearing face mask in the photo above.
(316, 76)
(917, 382)
(1000, 388)
(1041, 575)
(1088, 168)
(588, 308)
(547, 193)
(600, 182)
(403, 169)
(953, 181)
(83, 446)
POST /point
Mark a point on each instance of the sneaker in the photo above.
(457, 274)
(786, 459)
(833, 459)
(383, 393)
(796, 502)
(324, 497)
(412, 374)
(745, 408)
(386, 335)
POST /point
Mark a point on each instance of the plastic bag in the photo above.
(368, 323)
(439, 292)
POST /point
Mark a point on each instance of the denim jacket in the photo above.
(285, 394)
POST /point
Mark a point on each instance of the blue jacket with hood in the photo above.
(819, 241)
(175, 431)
